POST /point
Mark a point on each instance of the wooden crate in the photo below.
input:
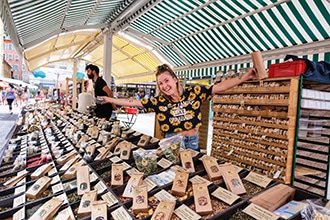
(254, 126)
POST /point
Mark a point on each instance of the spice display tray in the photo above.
(254, 126)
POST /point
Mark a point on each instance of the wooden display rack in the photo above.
(67, 87)
(254, 126)
(312, 154)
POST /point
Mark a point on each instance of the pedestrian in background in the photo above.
(100, 89)
(10, 97)
(26, 94)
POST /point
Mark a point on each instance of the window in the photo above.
(10, 47)
(16, 57)
(4, 56)
(14, 67)
(10, 56)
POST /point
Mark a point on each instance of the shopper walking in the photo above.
(26, 94)
(10, 97)
(178, 110)
(100, 89)
(3, 93)
(19, 94)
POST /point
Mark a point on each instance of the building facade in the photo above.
(12, 57)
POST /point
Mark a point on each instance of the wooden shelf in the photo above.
(249, 131)
(251, 122)
(258, 95)
(250, 139)
(249, 147)
(271, 102)
(258, 90)
(252, 112)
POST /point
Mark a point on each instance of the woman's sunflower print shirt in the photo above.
(179, 116)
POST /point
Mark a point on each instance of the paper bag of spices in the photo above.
(47, 210)
(187, 161)
(202, 198)
(258, 63)
(232, 179)
(135, 180)
(140, 199)
(164, 210)
(83, 180)
(274, 197)
(38, 187)
(99, 210)
(85, 206)
(180, 183)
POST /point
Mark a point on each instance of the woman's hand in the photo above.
(251, 74)
(104, 99)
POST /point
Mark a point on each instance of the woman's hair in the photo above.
(166, 68)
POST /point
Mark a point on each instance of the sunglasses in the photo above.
(162, 67)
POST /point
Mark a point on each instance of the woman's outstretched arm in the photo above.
(122, 102)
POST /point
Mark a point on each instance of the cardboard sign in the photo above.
(258, 179)
(259, 213)
(225, 195)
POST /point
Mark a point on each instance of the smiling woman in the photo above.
(178, 109)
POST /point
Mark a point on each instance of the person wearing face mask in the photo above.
(178, 110)
(100, 89)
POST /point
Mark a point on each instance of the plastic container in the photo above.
(131, 110)
(303, 122)
(310, 132)
(291, 68)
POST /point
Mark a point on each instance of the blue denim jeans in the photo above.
(191, 142)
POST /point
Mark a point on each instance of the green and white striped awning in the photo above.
(196, 37)
(210, 72)
(201, 31)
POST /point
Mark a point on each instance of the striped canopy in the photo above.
(196, 37)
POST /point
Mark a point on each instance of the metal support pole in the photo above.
(107, 58)
(74, 86)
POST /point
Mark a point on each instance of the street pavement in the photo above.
(7, 123)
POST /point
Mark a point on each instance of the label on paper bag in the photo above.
(100, 187)
(126, 166)
(93, 177)
(164, 163)
(20, 214)
(131, 171)
(110, 199)
(69, 148)
(194, 153)
(63, 197)
(55, 179)
(259, 213)
(225, 195)
(150, 184)
(58, 187)
(237, 168)
(20, 189)
(120, 214)
(19, 201)
(115, 159)
(52, 171)
(258, 179)
(164, 196)
(184, 212)
(199, 179)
